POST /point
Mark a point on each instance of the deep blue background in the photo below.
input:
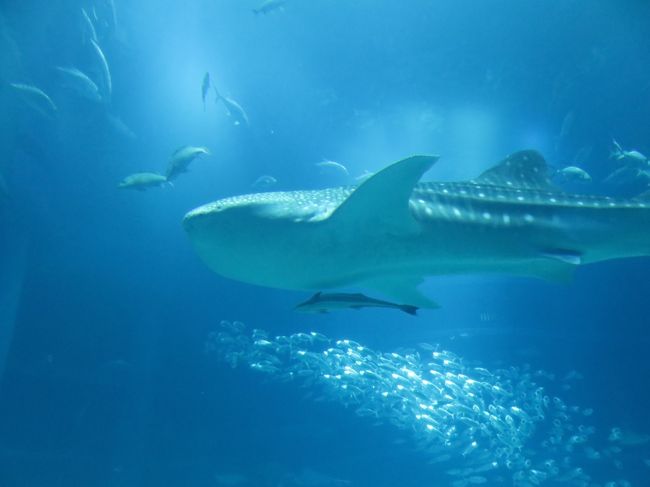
(105, 381)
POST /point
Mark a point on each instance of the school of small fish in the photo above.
(490, 426)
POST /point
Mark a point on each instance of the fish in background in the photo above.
(269, 6)
(102, 65)
(205, 86)
(329, 164)
(235, 110)
(494, 426)
(118, 125)
(181, 159)
(264, 182)
(633, 172)
(325, 302)
(89, 33)
(572, 174)
(80, 83)
(630, 158)
(36, 99)
(143, 180)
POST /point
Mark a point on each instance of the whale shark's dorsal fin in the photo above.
(384, 197)
(524, 169)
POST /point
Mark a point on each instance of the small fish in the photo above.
(235, 110)
(269, 6)
(264, 182)
(80, 83)
(143, 180)
(181, 159)
(89, 32)
(334, 165)
(324, 302)
(107, 85)
(631, 158)
(36, 98)
(205, 86)
(573, 174)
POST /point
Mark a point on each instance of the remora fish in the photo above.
(181, 159)
(324, 302)
(390, 232)
(107, 84)
(80, 83)
(235, 110)
(143, 180)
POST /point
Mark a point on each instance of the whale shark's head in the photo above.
(306, 239)
(253, 237)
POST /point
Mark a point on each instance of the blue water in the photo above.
(105, 310)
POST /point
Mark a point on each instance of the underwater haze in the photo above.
(126, 361)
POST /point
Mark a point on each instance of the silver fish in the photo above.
(181, 159)
(235, 110)
(36, 98)
(89, 32)
(326, 163)
(573, 174)
(80, 83)
(107, 84)
(143, 180)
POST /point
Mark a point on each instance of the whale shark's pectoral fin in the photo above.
(523, 169)
(402, 289)
(383, 199)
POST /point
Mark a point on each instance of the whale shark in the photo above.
(392, 231)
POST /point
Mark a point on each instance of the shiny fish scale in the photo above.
(497, 422)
